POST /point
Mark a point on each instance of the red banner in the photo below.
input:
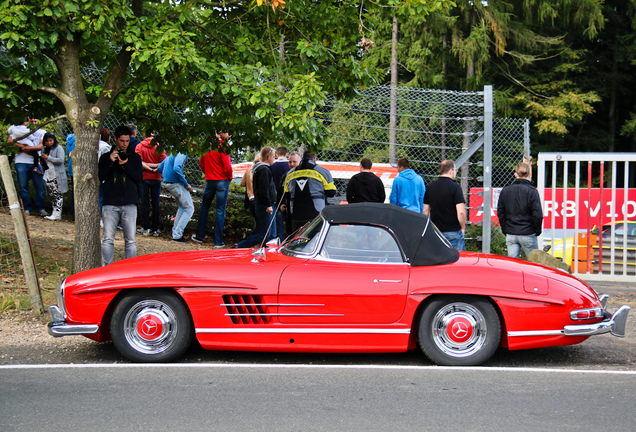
(567, 208)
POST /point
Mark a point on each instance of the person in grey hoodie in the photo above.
(408, 188)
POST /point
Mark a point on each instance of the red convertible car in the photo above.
(358, 278)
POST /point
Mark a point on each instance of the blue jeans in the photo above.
(456, 238)
(514, 244)
(186, 207)
(264, 220)
(113, 215)
(25, 173)
(149, 191)
(280, 225)
(218, 189)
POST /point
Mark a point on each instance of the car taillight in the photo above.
(583, 314)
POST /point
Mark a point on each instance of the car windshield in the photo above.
(306, 240)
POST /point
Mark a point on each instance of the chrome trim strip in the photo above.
(535, 333)
(272, 330)
(282, 314)
(268, 304)
(389, 281)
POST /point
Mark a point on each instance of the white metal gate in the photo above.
(590, 224)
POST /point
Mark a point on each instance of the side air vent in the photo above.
(246, 309)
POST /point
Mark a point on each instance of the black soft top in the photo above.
(422, 242)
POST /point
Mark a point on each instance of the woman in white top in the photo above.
(55, 173)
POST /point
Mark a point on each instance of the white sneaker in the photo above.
(143, 231)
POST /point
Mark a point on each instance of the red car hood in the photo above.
(227, 267)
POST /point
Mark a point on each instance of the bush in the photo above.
(497, 241)
(238, 220)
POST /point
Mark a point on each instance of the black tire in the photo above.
(151, 326)
(459, 330)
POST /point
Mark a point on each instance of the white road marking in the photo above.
(294, 366)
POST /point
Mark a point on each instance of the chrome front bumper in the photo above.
(58, 326)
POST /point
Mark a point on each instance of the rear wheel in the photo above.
(151, 326)
(459, 331)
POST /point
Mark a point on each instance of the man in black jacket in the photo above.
(520, 214)
(365, 186)
(265, 199)
(120, 172)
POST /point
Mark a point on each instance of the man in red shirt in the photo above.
(150, 185)
(217, 167)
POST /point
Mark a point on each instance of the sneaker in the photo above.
(43, 213)
(219, 246)
(194, 239)
(143, 231)
(155, 233)
(27, 213)
(180, 240)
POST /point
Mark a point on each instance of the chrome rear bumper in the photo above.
(58, 326)
(614, 325)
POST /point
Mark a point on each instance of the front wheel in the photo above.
(151, 326)
(459, 331)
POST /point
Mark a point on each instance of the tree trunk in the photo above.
(394, 82)
(86, 120)
(87, 252)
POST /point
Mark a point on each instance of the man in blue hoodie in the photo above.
(408, 188)
(175, 181)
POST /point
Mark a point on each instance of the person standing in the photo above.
(294, 161)
(279, 168)
(175, 182)
(120, 173)
(444, 203)
(408, 188)
(25, 166)
(55, 174)
(308, 186)
(520, 214)
(134, 141)
(365, 186)
(150, 186)
(265, 200)
(217, 167)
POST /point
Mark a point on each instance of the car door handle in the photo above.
(386, 280)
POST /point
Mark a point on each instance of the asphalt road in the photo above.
(294, 398)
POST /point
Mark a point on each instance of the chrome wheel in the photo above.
(459, 330)
(150, 327)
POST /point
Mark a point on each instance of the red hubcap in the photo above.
(459, 329)
(149, 327)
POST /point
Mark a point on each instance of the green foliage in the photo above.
(497, 241)
(238, 220)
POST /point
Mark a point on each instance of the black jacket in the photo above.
(519, 209)
(120, 183)
(263, 182)
(365, 187)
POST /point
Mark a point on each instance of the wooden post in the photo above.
(28, 263)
